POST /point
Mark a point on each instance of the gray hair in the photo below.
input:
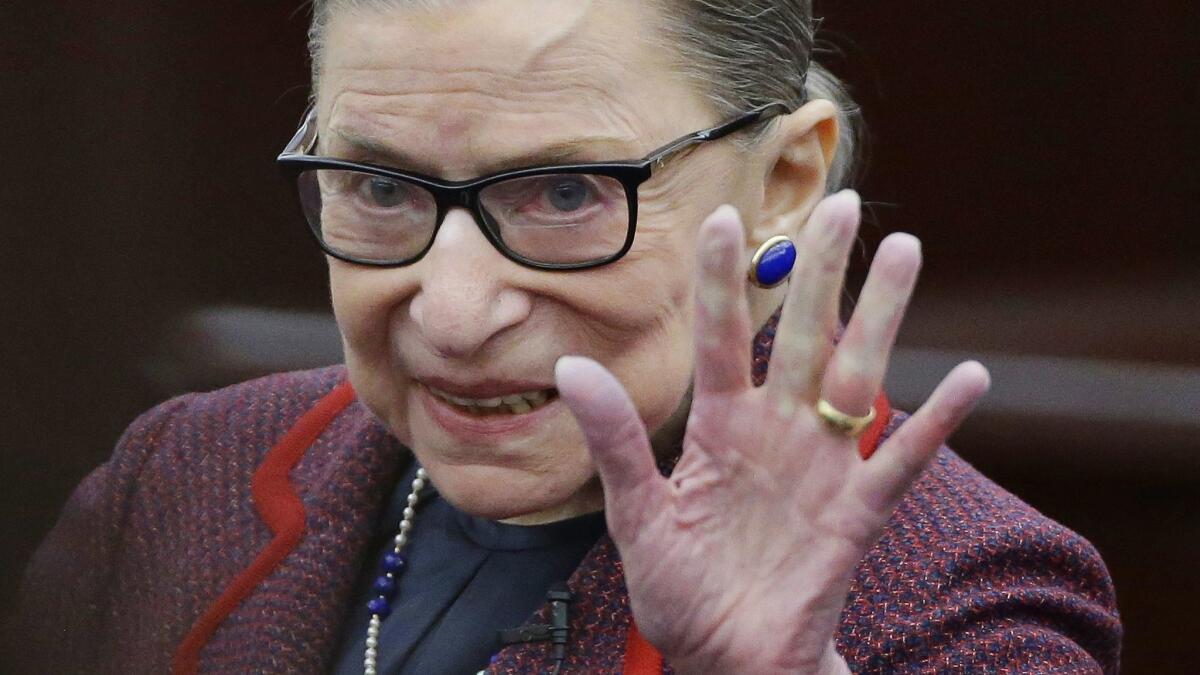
(742, 53)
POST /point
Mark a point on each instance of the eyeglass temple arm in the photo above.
(760, 114)
(306, 136)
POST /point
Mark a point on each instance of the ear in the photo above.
(801, 152)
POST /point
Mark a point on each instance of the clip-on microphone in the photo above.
(555, 632)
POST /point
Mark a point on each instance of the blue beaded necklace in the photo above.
(386, 585)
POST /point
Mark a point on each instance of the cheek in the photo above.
(364, 303)
(351, 300)
(659, 377)
(659, 387)
(656, 359)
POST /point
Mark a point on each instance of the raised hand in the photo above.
(741, 560)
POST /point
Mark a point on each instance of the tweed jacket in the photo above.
(227, 529)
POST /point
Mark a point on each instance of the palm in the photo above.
(743, 515)
(742, 558)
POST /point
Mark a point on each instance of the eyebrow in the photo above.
(574, 150)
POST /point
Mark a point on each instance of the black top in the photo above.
(467, 578)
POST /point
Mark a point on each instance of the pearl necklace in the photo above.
(386, 585)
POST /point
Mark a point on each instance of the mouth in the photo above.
(520, 403)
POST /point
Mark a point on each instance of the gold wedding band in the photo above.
(847, 425)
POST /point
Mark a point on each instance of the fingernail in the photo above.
(726, 212)
(843, 210)
(719, 245)
(905, 239)
(566, 361)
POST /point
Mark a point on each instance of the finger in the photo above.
(804, 339)
(901, 459)
(722, 312)
(617, 440)
(855, 373)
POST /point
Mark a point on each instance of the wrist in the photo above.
(832, 663)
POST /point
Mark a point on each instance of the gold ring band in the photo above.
(847, 425)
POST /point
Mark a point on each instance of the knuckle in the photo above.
(853, 374)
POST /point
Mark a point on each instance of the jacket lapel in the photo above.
(318, 490)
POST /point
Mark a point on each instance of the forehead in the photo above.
(475, 81)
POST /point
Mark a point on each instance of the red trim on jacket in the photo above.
(282, 510)
(641, 658)
(868, 443)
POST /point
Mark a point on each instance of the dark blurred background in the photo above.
(1045, 152)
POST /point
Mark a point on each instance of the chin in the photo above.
(504, 493)
(503, 467)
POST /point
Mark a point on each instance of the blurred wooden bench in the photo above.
(1044, 412)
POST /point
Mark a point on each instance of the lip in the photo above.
(482, 389)
(481, 430)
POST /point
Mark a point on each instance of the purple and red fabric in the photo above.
(966, 577)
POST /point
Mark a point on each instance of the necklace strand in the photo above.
(386, 585)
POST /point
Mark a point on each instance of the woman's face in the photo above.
(466, 90)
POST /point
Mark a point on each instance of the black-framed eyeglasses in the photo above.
(562, 217)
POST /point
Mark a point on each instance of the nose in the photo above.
(466, 296)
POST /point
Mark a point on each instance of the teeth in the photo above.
(514, 403)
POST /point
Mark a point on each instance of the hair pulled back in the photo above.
(742, 53)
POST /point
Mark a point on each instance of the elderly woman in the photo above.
(555, 445)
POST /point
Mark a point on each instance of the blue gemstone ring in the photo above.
(773, 262)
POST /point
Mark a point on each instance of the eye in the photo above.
(554, 200)
(385, 192)
(568, 194)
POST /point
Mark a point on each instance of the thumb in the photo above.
(617, 440)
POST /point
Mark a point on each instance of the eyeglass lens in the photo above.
(552, 218)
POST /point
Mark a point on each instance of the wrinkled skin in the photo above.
(740, 562)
